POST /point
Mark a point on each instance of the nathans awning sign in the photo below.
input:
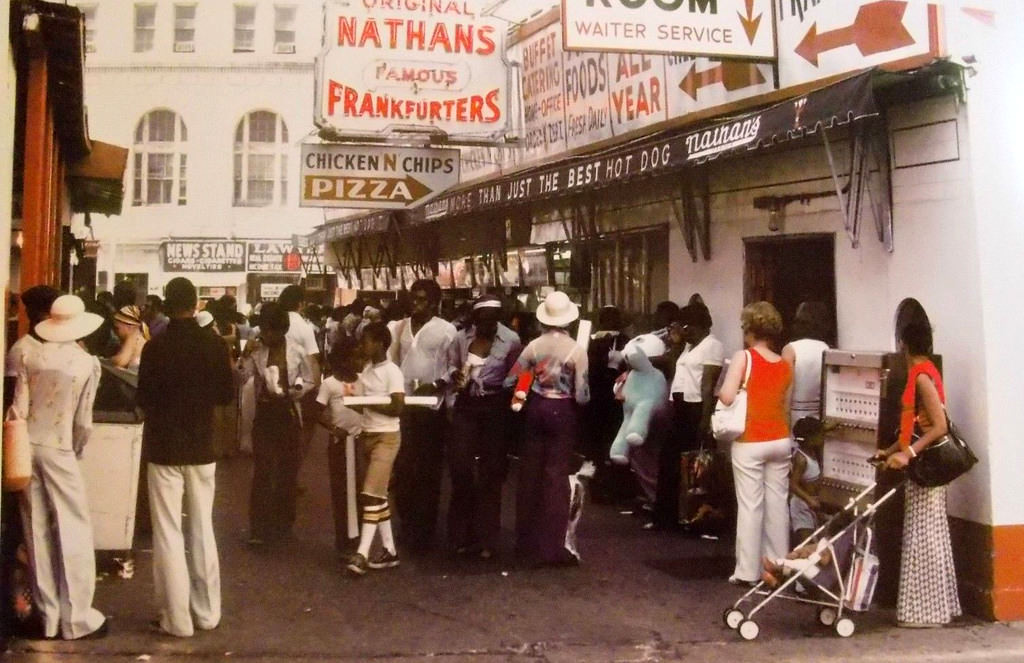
(434, 65)
(202, 256)
(714, 28)
(846, 101)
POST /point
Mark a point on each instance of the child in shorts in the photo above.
(378, 445)
(345, 361)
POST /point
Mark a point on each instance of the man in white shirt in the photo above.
(301, 334)
(420, 348)
(693, 401)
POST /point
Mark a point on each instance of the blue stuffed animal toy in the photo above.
(643, 393)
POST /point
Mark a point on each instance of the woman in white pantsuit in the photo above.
(760, 457)
(55, 392)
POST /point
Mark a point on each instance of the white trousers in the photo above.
(761, 475)
(55, 515)
(187, 587)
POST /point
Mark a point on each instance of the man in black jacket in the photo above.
(183, 374)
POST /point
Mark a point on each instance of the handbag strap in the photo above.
(746, 372)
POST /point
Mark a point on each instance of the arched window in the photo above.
(261, 160)
(160, 163)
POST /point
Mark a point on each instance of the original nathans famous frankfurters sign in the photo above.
(434, 65)
(712, 28)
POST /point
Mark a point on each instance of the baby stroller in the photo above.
(838, 576)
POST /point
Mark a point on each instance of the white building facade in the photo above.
(213, 99)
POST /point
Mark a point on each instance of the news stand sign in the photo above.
(710, 28)
(435, 66)
(374, 176)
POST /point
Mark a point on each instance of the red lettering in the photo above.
(441, 38)
(415, 32)
(476, 108)
(371, 34)
(483, 35)
(334, 90)
(346, 31)
(492, 103)
(435, 110)
(463, 38)
(393, 25)
(351, 96)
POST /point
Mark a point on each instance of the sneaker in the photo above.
(383, 560)
(356, 564)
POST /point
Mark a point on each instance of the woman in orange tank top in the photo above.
(760, 457)
(927, 591)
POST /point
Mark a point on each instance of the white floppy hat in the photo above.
(68, 321)
(204, 318)
(557, 310)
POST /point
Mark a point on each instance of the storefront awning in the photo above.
(97, 181)
(840, 103)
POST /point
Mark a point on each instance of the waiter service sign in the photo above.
(427, 65)
(375, 176)
(713, 28)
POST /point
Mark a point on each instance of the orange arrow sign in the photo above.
(732, 75)
(877, 28)
(750, 22)
(393, 190)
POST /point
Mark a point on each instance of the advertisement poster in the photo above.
(269, 256)
(714, 28)
(543, 98)
(428, 66)
(833, 37)
(203, 256)
(373, 176)
(698, 83)
(587, 115)
(637, 91)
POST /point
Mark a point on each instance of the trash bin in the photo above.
(110, 464)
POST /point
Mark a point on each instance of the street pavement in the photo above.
(638, 596)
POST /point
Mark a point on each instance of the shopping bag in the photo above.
(17, 464)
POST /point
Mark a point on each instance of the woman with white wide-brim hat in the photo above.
(54, 394)
(560, 386)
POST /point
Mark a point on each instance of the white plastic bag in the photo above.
(729, 421)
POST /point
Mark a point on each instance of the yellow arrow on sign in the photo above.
(406, 190)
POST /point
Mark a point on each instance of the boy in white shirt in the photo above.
(345, 362)
(378, 446)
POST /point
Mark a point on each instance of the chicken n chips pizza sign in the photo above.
(412, 64)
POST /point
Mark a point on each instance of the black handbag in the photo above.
(943, 460)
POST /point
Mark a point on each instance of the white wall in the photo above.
(997, 185)
(934, 260)
(211, 89)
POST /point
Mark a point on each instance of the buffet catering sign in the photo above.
(431, 65)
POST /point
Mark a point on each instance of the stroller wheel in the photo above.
(827, 616)
(749, 629)
(732, 617)
(845, 627)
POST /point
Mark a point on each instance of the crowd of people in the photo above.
(419, 396)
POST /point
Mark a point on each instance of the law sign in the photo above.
(375, 177)
(714, 28)
(434, 65)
